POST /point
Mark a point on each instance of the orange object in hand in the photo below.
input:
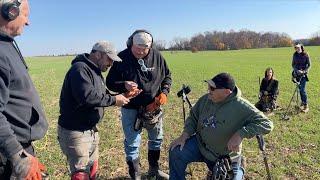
(161, 99)
(35, 170)
(133, 93)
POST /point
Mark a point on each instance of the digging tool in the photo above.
(265, 159)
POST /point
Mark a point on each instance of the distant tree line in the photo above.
(313, 41)
(232, 40)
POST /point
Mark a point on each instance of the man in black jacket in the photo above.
(145, 68)
(22, 119)
(82, 101)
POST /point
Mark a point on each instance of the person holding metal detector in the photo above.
(214, 131)
(301, 64)
(268, 92)
(22, 118)
(143, 67)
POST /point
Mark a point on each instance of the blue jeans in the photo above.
(302, 90)
(132, 139)
(178, 160)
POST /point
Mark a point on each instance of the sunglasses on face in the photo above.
(211, 88)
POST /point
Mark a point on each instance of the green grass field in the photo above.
(292, 148)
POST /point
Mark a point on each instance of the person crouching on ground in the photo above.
(216, 126)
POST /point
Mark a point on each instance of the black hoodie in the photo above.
(83, 96)
(22, 119)
(152, 82)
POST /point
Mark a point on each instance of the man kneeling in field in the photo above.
(216, 127)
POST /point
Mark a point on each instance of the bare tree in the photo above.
(160, 45)
(180, 44)
(315, 39)
(198, 42)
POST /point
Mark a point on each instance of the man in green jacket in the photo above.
(216, 126)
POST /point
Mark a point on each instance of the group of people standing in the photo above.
(140, 77)
(140, 81)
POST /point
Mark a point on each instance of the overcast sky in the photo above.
(70, 26)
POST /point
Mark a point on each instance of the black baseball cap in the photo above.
(222, 81)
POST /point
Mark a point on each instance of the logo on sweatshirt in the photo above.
(210, 121)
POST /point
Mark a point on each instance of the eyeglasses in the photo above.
(142, 65)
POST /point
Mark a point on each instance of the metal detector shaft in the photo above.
(265, 159)
(295, 91)
(185, 99)
(184, 112)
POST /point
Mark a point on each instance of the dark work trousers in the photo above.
(6, 166)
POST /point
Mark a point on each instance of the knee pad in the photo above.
(94, 170)
(80, 175)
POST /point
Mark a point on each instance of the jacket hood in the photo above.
(5, 37)
(84, 58)
(234, 95)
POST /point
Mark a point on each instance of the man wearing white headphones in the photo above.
(144, 68)
(22, 119)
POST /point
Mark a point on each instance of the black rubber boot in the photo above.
(134, 169)
(154, 172)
